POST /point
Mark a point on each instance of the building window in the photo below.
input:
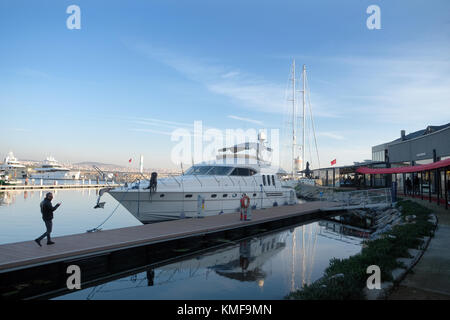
(378, 156)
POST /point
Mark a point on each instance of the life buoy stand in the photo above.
(245, 202)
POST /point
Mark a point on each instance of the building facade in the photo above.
(421, 147)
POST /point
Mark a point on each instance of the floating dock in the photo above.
(109, 252)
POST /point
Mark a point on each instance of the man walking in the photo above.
(47, 215)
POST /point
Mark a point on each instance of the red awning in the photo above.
(409, 169)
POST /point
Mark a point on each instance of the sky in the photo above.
(138, 70)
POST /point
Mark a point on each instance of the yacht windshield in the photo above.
(198, 170)
(220, 171)
(209, 170)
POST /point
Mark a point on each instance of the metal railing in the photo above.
(359, 199)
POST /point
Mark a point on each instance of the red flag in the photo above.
(129, 160)
(333, 162)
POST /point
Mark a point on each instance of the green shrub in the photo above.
(382, 252)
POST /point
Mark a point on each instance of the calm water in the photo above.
(263, 267)
(20, 216)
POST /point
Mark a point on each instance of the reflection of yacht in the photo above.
(210, 188)
(11, 166)
(51, 169)
(7, 198)
(241, 262)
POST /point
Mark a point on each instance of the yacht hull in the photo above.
(66, 175)
(162, 206)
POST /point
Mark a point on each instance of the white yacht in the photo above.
(11, 166)
(52, 170)
(210, 188)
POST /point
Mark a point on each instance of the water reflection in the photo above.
(8, 198)
(263, 267)
(267, 266)
(20, 216)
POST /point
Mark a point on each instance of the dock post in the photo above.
(200, 206)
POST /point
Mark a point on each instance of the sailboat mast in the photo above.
(304, 116)
(293, 118)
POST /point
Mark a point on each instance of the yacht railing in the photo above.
(175, 180)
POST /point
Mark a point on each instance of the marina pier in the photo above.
(30, 271)
(24, 187)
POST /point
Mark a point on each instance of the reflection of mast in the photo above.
(308, 251)
(303, 256)
(293, 262)
(313, 255)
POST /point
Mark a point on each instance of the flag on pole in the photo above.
(129, 160)
(333, 162)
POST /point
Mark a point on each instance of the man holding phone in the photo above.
(47, 215)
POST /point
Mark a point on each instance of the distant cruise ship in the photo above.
(52, 170)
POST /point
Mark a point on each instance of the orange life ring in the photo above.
(245, 202)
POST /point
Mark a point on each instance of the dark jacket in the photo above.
(47, 209)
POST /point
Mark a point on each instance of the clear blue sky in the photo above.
(136, 70)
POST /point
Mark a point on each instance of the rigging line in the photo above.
(310, 146)
(312, 121)
(308, 142)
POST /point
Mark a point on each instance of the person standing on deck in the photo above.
(408, 186)
(416, 184)
(47, 215)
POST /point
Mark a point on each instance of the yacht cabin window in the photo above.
(268, 179)
(242, 172)
(264, 179)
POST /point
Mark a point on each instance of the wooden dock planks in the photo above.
(27, 254)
